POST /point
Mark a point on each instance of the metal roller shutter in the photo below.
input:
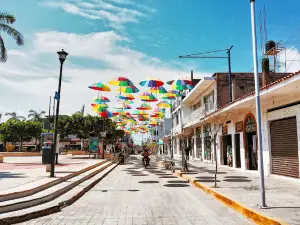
(284, 147)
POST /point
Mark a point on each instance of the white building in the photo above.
(208, 113)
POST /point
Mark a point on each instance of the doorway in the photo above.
(227, 143)
(237, 150)
(251, 150)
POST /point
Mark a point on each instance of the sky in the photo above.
(132, 38)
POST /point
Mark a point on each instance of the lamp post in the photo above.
(62, 55)
(258, 111)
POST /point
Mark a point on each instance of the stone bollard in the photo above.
(48, 168)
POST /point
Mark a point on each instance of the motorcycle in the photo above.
(121, 160)
(145, 162)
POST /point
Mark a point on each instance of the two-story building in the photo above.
(211, 116)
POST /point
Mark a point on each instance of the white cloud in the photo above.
(107, 10)
(26, 84)
(291, 59)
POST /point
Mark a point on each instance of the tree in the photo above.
(215, 124)
(14, 116)
(36, 116)
(19, 131)
(6, 20)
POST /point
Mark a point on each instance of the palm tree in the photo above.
(5, 20)
(36, 116)
(13, 115)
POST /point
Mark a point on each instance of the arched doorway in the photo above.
(250, 141)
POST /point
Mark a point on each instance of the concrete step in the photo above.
(42, 184)
(51, 193)
(58, 203)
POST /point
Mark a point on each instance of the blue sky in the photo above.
(133, 38)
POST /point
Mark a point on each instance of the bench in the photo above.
(1, 158)
(79, 153)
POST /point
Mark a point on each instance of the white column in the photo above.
(195, 147)
(242, 149)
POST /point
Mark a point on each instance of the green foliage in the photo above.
(6, 20)
(14, 130)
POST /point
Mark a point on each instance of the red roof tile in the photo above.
(253, 93)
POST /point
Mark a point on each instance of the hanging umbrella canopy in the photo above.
(99, 107)
(105, 114)
(126, 97)
(152, 82)
(121, 82)
(157, 90)
(99, 87)
(101, 99)
(165, 97)
(122, 106)
(164, 104)
(182, 87)
(180, 82)
(148, 97)
(144, 106)
(128, 89)
(139, 112)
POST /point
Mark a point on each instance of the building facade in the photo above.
(228, 129)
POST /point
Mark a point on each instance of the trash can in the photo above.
(46, 154)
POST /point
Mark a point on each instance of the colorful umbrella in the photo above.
(126, 97)
(180, 82)
(152, 82)
(121, 82)
(144, 106)
(138, 112)
(105, 114)
(122, 106)
(100, 99)
(128, 89)
(99, 107)
(164, 104)
(99, 87)
(148, 97)
(157, 90)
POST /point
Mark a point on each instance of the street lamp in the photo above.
(258, 111)
(62, 55)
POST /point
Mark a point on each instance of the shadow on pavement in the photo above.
(205, 177)
(148, 182)
(176, 185)
(236, 177)
(167, 177)
(237, 180)
(178, 181)
(11, 175)
(206, 180)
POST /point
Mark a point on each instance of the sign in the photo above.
(225, 130)
(94, 144)
(239, 126)
(56, 95)
(47, 138)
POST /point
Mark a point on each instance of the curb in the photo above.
(53, 209)
(25, 193)
(251, 214)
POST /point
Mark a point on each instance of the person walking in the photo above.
(187, 152)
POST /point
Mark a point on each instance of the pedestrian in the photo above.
(187, 153)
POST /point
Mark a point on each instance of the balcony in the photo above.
(199, 113)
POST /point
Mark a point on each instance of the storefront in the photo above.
(250, 140)
(199, 143)
(207, 142)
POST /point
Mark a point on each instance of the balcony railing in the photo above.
(199, 113)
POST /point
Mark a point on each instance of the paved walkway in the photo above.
(16, 172)
(282, 194)
(132, 195)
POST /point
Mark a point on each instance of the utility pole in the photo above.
(49, 115)
(228, 57)
(258, 111)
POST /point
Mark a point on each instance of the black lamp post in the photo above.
(62, 55)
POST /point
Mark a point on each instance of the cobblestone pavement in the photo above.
(133, 195)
